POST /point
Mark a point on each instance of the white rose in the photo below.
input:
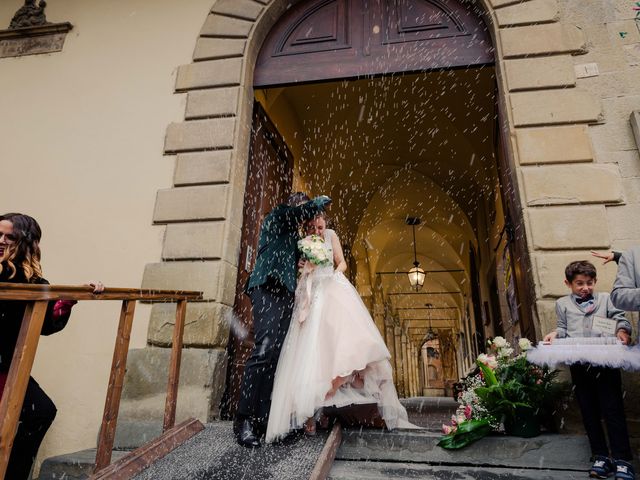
(505, 352)
(499, 342)
(524, 344)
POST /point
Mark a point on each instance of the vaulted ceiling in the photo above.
(391, 147)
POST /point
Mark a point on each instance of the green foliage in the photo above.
(509, 391)
(466, 433)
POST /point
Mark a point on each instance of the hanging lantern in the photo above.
(416, 277)
(416, 274)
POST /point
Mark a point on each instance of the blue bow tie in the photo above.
(580, 300)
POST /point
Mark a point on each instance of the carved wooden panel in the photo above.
(324, 27)
(410, 20)
(331, 39)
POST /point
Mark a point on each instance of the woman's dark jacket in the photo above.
(11, 313)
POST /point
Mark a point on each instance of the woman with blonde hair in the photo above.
(20, 263)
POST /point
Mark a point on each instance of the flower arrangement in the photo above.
(314, 250)
(505, 390)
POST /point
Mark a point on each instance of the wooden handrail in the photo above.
(37, 298)
(17, 291)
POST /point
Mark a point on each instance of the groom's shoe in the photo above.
(243, 430)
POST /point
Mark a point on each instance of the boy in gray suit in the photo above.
(584, 313)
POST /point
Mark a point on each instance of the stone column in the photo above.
(405, 365)
(409, 368)
(416, 371)
(391, 345)
(397, 336)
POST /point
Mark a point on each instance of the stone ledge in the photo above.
(207, 202)
(226, 27)
(213, 134)
(561, 185)
(211, 73)
(48, 38)
(527, 13)
(546, 39)
(555, 228)
(554, 450)
(540, 72)
(554, 145)
(203, 168)
(218, 102)
(549, 107)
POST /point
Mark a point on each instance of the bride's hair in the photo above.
(322, 215)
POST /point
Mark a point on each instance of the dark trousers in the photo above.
(38, 412)
(599, 394)
(272, 308)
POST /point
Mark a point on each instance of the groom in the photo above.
(271, 287)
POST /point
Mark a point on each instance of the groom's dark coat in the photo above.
(278, 244)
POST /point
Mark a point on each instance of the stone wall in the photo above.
(570, 136)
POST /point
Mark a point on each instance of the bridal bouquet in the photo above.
(314, 250)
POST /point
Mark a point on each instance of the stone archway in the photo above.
(547, 125)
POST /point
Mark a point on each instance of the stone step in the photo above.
(132, 433)
(430, 412)
(347, 470)
(550, 451)
(73, 466)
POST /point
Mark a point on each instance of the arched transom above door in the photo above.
(329, 39)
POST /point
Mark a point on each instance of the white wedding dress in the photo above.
(332, 342)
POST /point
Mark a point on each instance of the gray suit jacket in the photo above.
(626, 292)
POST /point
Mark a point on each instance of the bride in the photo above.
(333, 355)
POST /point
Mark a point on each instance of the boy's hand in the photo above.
(623, 336)
(550, 337)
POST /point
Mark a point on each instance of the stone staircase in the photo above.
(364, 454)
(410, 454)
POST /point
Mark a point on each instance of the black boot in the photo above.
(245, 436)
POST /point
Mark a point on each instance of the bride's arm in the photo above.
(338, 255)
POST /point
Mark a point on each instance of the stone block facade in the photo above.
(565, 74)
(560, 120)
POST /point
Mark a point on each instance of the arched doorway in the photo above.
(389, 107)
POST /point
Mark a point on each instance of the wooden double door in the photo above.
(269, 181)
